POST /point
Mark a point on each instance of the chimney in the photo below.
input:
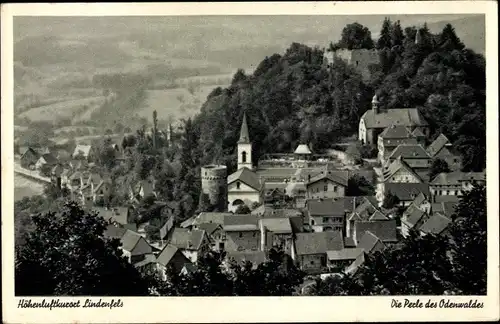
(375, 105)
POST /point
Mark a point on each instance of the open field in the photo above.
(65, 109)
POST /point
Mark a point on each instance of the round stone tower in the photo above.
(214, 184)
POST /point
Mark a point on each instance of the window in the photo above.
(312, 262)
(357, 63)
(238, 185)
(254, 234)
(325, 188)
(241, 234)
(334, 188)
(243, 157)
(312, 222)
(221, 245)
(325, 219)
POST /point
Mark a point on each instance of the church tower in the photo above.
(244, 146)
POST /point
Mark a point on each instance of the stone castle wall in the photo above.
(214, 184)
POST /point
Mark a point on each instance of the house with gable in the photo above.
(385, 230)
(405, 191)
(241, 233)
(311, 250)
(415, 156)
(29, 158)
(374, 121)
(142, 189)
(327, 184)
(416, 214)
(170, 256)
(400, 171)
(450, 186)
(442, 149)
(392, 137)
(365, 209)
(83, 151)
(277, 233)
(338, 260)
(120, 216)
(100, 191)
(326, 214)
(134, 247)
(243, 188)
(437, 224)
(192, 243)
(46, 162)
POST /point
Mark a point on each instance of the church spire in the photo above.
(244, 137)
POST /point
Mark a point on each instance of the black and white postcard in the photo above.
(271, 161)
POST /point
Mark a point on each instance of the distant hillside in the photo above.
(471, 31)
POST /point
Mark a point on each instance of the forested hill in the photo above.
(295, 98)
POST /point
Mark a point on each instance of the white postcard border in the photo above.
(251, 309)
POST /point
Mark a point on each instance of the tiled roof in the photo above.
(150, 258)
(435, 224)
(277, 225)
(326, 207)
(302, 149)
(131, 242)
(368, 242)
(386, 231)
(409, 151)
(454, 178)
(344, 254)
(377, 215)
(271, 212)
(113, 231)
(187, 239)
(395, 166)
(417, 132)
(340, 177)
(209, 228)
(447, 199)
(413, 215)
(437, 145)
(365, 209)
(317, 243)
(167, 254)
(445, 208)
(246, 176)
(244, 136)
(266, 173)
(240, 220)
(117, 214)
(206, 217)
(255, 257)
(351, 269)
(407, 191)
(395, 131)
(400, 116)
(240, 228)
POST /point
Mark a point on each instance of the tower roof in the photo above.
(244, 137)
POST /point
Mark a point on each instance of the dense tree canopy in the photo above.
(67, 255)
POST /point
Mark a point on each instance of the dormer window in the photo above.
(238, 185)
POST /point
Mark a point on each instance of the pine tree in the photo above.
(384, 40)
